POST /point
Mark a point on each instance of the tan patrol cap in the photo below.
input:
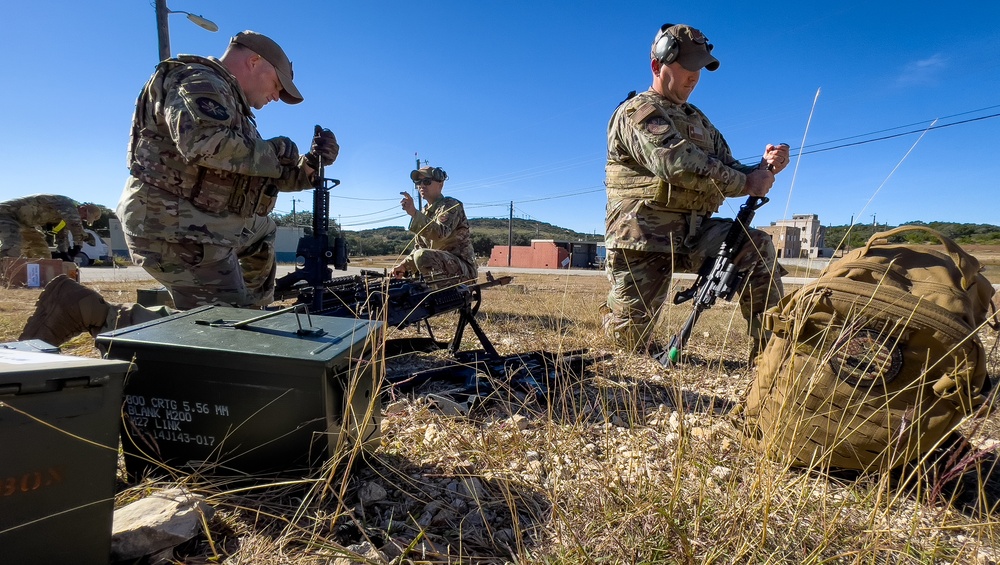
(695, 51)
(272, 53)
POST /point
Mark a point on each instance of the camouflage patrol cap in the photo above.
(272, 53)
(695, 51)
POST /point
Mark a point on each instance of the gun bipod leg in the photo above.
(466, 317)
(430, 333)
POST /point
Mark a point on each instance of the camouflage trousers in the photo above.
(22, 241)
(439, 264)
(640, 282)
(197, 274)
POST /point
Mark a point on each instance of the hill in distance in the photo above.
(494, 228)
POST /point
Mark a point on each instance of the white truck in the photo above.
(90, 252)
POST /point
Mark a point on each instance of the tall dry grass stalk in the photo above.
(632, 463)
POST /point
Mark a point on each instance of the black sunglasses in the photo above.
(423, 182)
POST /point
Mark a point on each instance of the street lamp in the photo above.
(163, 32)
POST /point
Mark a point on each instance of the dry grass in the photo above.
(632, 463)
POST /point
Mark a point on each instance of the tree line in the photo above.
(490, 232)
(849, 237)
(397, 240)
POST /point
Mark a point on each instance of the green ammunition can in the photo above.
(59, 422)
(235, 391)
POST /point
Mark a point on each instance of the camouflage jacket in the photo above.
(443, 225)
(40, 210)
(192, 121)
(666, 163)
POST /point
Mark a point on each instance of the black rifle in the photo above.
(717, 278)
(314, 253)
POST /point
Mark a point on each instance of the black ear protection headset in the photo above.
(438, 174)
(665, 46)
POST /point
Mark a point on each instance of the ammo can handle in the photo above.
(247, 322)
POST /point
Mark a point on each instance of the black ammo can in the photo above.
(233, 391)
(59, 422)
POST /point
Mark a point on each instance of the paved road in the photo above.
(133, 273)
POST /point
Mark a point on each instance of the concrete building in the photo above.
(549, 254)
(787, 240)
(812, 234)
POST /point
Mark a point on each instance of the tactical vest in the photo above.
(632, 180)
(153, 158)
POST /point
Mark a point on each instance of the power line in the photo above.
(370, 222)
(883, 138)
(588, 190)
(806, 151)
(897, 127)
(366, 199)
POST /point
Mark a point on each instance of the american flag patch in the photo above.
(696, 133)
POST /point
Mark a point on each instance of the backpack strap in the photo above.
(966, 263)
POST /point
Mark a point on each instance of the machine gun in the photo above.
(405, 302)
(717, 278)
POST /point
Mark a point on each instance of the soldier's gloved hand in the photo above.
(324, 148)
(285, 149)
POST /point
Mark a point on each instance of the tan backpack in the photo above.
(874, 362)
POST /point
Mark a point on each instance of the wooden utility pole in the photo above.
(510, 233)
(420, 199)
(295, 219)
(162, 29)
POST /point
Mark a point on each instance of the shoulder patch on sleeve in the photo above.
(211, 108)
(640, 114)
(200, 87)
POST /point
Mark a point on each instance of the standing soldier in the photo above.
(668, 171)
(21, 219)
(442, 243)
(195, 206)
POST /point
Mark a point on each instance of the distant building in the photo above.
(117, 240)
(286, 243)
(549, 254)
(787, 240)
(812, 235)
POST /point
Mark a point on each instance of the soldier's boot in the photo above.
(65, 309)
(629, 335)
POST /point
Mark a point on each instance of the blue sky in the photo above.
(513, 98)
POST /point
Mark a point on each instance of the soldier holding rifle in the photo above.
(202, 183)
(668, 170)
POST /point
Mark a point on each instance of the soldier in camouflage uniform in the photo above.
(442, 244)
(195, 208)
(668, 171)
(21, 219)
(203, 181)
